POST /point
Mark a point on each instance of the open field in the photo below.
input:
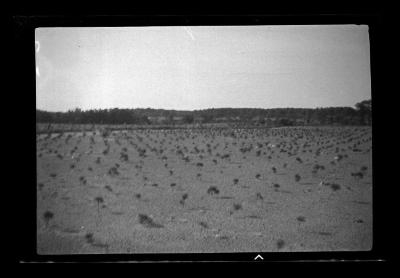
(205, 190)
(42, 128)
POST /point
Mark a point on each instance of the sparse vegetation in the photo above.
(99, 200)
(252, 174)
(47, 215)
(148, 222)
(203, 224)
(40, 186)
(301, 219)
(237, 206)
(280, 243)
(212, 190)
(89, 238)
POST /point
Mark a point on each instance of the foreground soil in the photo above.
(212, 190)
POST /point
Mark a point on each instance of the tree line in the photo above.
(361, 114)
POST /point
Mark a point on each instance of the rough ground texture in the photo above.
(177, 191)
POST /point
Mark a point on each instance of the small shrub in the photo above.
(203, 224)
(113, 171)
(148, 222)
(184, 197)
(301, 219)
(358, 175)
(89, 238)
(335, 186)
(124, 157)
(364, 168)
(280, 243)
(99, 200)
(82, 179)
(48, 215)
(237, 207)
(213, 190)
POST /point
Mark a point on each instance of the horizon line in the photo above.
(193, 110)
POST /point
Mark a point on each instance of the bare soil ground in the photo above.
(210, 190)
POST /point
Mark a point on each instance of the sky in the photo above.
(200, 67)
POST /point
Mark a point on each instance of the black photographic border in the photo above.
(24, 49)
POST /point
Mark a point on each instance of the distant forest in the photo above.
(359, 115)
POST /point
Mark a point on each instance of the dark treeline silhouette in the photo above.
(96, 116)
(360, 115)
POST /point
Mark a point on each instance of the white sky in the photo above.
(199, 67)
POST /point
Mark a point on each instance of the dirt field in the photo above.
(178, 191)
